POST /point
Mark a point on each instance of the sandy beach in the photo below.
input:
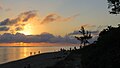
(37, 61)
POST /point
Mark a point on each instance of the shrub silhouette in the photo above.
(109, 36)
(114, 5)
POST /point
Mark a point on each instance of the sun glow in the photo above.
(32, 27)
(27, 30)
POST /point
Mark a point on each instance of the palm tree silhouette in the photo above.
(86, 35)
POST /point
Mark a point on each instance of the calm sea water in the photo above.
(14, 51)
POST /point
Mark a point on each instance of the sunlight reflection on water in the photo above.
(15, 51)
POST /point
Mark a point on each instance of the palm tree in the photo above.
(86, 35)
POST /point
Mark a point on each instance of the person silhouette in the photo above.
(75, 48)
(38, 52)
(70, 49)
(30, 53)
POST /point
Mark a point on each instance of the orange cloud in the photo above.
(31, 18)
(18, 23)
(57, 18)
(50, 18)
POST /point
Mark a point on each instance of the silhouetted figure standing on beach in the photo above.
(75, 48)
(30, 53)
(61, 49)
(70, 49)
(34, 53)
(38, 52)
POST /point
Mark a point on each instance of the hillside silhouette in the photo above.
(103, 53)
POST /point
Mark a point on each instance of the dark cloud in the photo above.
(93, 29)
(23, 17)
(95, 32)
(6, 22)
(4, 28)
(44, 37)
(76, 32)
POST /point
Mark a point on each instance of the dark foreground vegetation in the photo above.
(104, 53)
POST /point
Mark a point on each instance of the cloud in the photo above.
(70, 18)
(95, 32)
(31, 18)
(76, 32)
(18, 23)
(93, 29)
(4, 28)
(8, 22)
(19, 28)
(50, 18)
(57, 18)
(5, 22)
(23, 17)
(27, 15)
(44, 37)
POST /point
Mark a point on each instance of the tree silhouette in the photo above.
(109, 36)
(114, 5)
(86, 35)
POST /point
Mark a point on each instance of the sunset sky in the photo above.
(58, 17)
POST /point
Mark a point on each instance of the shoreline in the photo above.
(42, 60)
(10, 53)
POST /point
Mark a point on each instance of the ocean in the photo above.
(15, 51)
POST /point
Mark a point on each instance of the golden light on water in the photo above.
(25, 54)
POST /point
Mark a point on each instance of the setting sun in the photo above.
(27, 30)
